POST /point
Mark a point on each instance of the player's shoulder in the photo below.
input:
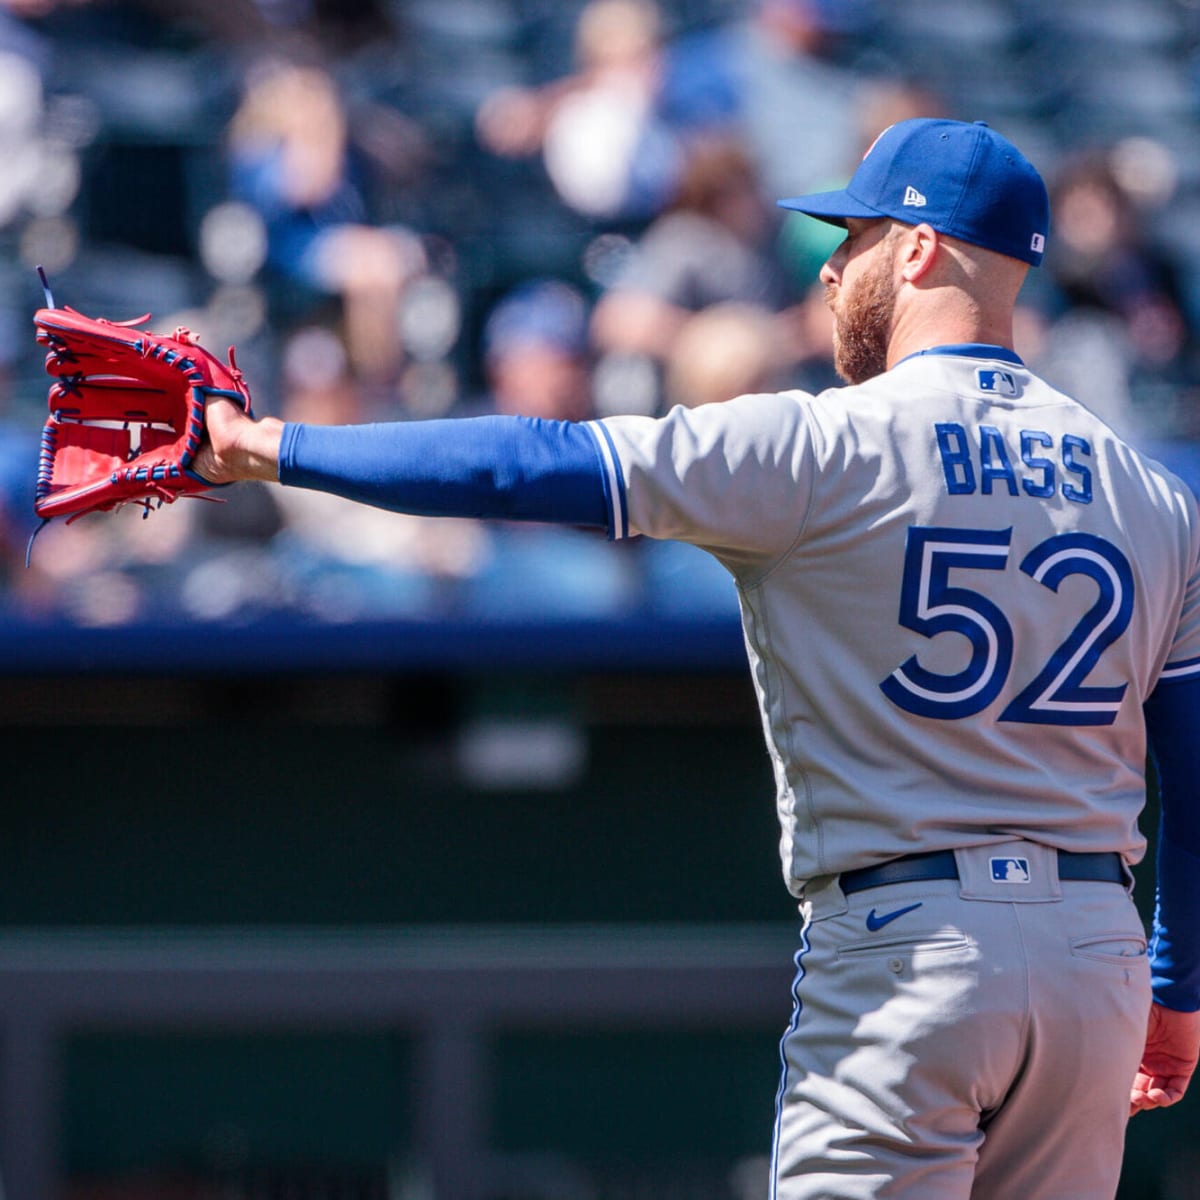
(1162, 481)
(885, 396)
(752, 418)
(1130, 456)
(1142, 454)
(778, 410)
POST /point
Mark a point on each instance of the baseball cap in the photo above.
(962, 178)
(541, 312)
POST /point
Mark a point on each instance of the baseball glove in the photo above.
(126, 413)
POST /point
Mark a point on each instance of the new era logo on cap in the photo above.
(913, 198)
(1037, 243)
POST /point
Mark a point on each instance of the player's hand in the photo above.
(1172, 1048)
(235, 446)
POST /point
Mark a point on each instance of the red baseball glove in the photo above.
(126, 413)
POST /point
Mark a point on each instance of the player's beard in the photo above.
(863, 326)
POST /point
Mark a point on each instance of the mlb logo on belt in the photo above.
(1009, 870)
(999, 383)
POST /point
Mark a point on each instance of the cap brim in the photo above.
(833, 207)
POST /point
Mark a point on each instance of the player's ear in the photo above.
(918, 251)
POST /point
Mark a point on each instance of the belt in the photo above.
(940, 864)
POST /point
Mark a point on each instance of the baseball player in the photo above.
(966, 603)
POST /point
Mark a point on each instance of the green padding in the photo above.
(217, 1104)
(644, 1095)
(344, 826)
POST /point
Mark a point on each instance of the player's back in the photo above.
(985, 588)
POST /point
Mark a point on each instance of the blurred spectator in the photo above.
(715, 245)
(235, 22)
(292, 161)
(342, 561)
(536, 353)
(109, 569)
(605, 148)
(232, 21)
(1100, 259)
(785, 79)
(340, 26)
(1116, 327)
(614, 134)
(18, 34)
(725, 351)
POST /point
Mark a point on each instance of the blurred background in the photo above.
(353, 855)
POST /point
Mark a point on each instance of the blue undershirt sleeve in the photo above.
(1173, 726)
(512, 468)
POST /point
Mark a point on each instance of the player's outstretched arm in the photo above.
(236, 447)
(511, 468)
(1169, 1060)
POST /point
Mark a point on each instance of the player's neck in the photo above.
(923, 331)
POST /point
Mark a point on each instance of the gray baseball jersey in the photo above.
(957, 588)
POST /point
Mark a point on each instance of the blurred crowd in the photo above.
(417, 209)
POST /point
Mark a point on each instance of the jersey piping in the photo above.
(1186, 669)
(614, 481)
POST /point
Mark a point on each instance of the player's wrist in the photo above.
(255, 453)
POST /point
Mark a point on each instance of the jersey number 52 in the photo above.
(930, 605)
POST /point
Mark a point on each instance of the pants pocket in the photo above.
(913, 941)
(1121, 948)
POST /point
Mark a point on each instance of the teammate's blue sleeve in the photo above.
(515, 468)
(1173, 726)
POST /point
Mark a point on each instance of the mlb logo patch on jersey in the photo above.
(995, 381)
(1009, 870)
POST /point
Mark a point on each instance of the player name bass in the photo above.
(1037, 464)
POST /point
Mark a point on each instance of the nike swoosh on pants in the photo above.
(874, 922)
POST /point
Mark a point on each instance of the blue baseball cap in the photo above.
(962, 178)
(539, 312)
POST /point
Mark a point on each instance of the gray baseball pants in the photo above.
(963, 1039)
